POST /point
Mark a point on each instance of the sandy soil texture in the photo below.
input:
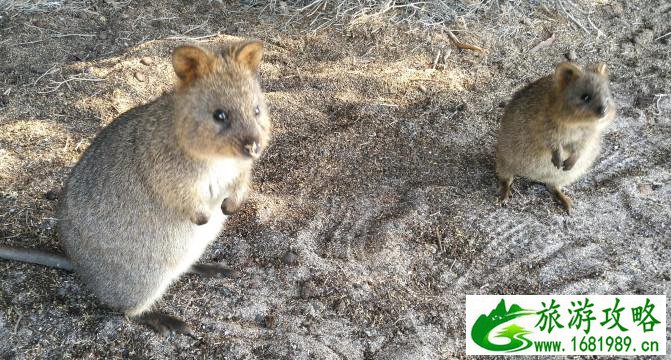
(374, 211)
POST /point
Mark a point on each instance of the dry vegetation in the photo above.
(374, 210)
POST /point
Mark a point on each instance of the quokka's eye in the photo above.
(586, 98)
(257, 110)
(221, 117)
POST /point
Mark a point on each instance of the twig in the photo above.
(661, 37)
(68, 35)
(48, 72)
(578, 8)
(195, 27)
(58, 84)
(435, 61)
(462, 45)
(16, 326)
(57, 34)
(188, 38)
(547, 42)
(447, 55)
(598, 31)
(659, 98)
(309, 6)
(29, 42)
(163, 18)
(570, 16)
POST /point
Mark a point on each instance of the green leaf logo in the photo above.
(487, 323)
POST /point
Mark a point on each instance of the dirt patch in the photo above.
(379, 179)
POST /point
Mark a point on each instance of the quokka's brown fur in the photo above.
(155, 186)
(551, 130)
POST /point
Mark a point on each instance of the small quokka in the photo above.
(551, 130)
(155, 186)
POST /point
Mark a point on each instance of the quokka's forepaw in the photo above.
(229, 207)
(568, 163)
(556, 160)
(200, 219)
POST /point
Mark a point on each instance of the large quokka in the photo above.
(551, 130)
(155, 186)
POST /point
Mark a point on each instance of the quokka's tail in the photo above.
(35, 256)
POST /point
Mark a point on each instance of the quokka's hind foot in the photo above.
(505, 193)
(163, 324)
(564, 200)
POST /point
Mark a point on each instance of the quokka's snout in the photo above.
(252, 148)
(250, 140)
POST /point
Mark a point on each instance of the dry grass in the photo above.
(39, 6)
(346, 13)
(435, 14)
(441, 15)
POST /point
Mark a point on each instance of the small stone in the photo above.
(48, 224)
(571, 55)
(254, 283)
(290, 258)
(269, 321)
(74, 57)
(224, 291)
(102, 36)
(309, 325)
(308, 290)
(340, 306)
(422, 88)
(644, 37)
(146, 61)
(140, 76)
(51, 195)
(645, 189)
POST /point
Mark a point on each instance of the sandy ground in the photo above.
(379, 180)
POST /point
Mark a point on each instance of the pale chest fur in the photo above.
(215, 182)
(574, 137)
(213, 186)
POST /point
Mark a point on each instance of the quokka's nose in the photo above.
(252, 149)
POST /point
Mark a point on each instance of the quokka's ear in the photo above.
(191, 62)
(247, 54)
(566, 73)
(600, 68)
